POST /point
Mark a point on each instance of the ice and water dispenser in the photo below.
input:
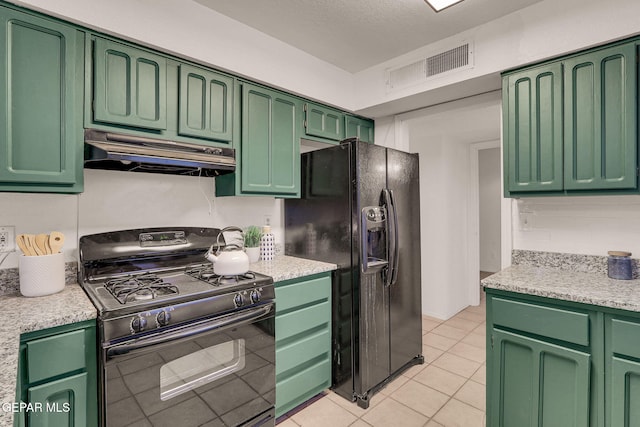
(374, 236)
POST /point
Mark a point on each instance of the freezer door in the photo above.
(405, 315)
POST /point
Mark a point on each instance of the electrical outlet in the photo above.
(7, 238)
(267, 220)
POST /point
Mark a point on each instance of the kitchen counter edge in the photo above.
(285, 267)
(21, 315)
(581, 287)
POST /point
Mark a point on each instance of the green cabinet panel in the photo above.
(269, 152)
(130, 86)
(206, 100)
(550, 322)
(57, 370)
(538, 383)
(40, 113)
(360, 128)
(63, 402)
(625, 393)
(55, 355)
(569, 126)
(533, 129)
(303, 340)
(600, 119)
(323, 122)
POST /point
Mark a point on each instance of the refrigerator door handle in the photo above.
(394, 247)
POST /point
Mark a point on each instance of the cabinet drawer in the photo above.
(625, 337)
(551, 322)
(300, 387)
(298, 352)
(55, 355)
(302, 293)
(296, 322)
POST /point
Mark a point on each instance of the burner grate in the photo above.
(139, 287)
(205, 273)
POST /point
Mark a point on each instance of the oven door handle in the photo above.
(209, 325)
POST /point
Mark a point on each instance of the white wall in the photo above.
(583, 225)
(122, 200)
(443, 136)
(490, 194)
(546, 29)
(194, 31)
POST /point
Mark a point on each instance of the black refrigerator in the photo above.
(360, 209)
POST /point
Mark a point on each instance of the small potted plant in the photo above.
(252, 235)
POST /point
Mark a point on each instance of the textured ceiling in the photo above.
(357, 34)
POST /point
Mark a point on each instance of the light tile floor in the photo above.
(448, 390)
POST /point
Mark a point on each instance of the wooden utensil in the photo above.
(42, 243)
(29, 241)
(22, 244)
(56, 240)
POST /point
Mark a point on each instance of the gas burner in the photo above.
(139, 287)
(205, 273)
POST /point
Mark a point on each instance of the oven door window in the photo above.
(202, 367)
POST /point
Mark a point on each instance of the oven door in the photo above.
(220, 371)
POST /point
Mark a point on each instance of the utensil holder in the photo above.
(41, 275)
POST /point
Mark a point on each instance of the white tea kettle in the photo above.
(231, 260)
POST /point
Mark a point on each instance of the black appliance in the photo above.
(360, 209)
(178, 345)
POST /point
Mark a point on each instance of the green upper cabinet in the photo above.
(600, 119)
(360, 128)
(268, 155)
(533, 117)
(570, 125)
(206, 100)
(40, 112)
(130, 86)
(323, 122)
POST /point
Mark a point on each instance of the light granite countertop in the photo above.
(284, 267)
(568, 277)
(20, 315)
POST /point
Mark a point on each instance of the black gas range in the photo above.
(205, 337)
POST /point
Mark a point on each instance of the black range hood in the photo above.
(114, 151)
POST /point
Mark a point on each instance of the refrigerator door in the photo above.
(370, 293)
(405, 315)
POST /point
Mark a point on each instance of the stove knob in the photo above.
(138, 324)
(163, 318)
(255, 296)
(238, 300)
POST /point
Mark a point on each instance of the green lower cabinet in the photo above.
(41, 141)
(57, 377)
(303, 340)
(538, 383)
(623, 363)
(545, 362)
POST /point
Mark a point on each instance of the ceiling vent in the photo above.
(458, 58)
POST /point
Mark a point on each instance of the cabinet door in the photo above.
(360, 128)
(63, 402)
(535, 383)
(323, 122)
(533, 129)
(600, 119)
(205, 104)
(129, 86)
(625, 393)
(40, 125)
(270, 150)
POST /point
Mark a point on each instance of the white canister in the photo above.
(41, 275)
(267, 244)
